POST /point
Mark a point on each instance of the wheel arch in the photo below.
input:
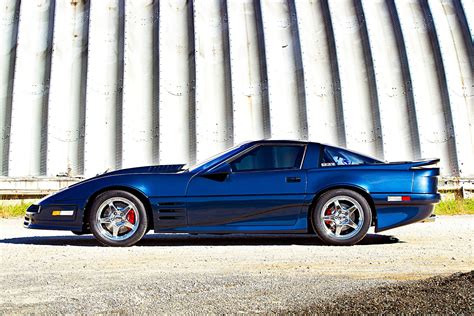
(354, 188)
(140, 195)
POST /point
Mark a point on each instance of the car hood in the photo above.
(147, 169)
(157, 169)
(174, 179)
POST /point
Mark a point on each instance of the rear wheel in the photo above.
(341, 217)
(118, 218)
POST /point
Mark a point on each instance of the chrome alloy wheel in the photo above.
(117, 219)
(342, 216)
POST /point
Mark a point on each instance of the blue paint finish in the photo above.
(245, 195)
(252, 210)
(395, 216)
(43, 219)
(299, 227)
(211, 197)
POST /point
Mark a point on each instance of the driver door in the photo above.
(261, 188)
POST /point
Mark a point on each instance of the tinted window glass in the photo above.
(269, 157)
(339, 157)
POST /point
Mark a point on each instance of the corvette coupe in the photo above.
(265, 186)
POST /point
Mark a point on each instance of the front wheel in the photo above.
(341, 217)
(118, 218)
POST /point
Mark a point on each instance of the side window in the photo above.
(269, 157)
(339, 157)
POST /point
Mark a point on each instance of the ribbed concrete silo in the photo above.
(93, 85)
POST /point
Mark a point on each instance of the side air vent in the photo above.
(166, 168)
(170, 214)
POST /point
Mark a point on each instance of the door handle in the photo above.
(293, 179)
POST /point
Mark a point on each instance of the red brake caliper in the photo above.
(328, 212)
(131, 217)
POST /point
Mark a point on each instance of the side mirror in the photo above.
(219, 173)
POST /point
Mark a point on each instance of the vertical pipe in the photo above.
(361, 132)
(386, 81)
(156, 82)
(138, 106)
(103, 88)
(461, 9)
(299, 73)
(316, 67)
(282, 78)
(46, 95)
(455, 78)
(427, 100)
(9, 18)
(442, 88)
(213, 126)
(406, 78)
(371, 79)
(30, 89)
(245, 68)
(66, 89)
(468, 8)
(267, 132)
(227, 73)
(120, 81)
(83, 88)
(192, 82)
(336, 77)
(464, 28)
(174, 80)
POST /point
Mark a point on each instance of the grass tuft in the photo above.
(14, 210)
(455, 207)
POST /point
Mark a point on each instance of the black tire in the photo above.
(338, 229)
(105, 235)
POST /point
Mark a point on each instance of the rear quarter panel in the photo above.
(380, 182)
(371, 180)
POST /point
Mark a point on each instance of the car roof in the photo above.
(286, 141)
(281, 141)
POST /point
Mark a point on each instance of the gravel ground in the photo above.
(57, 272)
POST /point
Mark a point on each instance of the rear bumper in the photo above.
(415, 198)
(391, 214)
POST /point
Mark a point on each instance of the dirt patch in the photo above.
(437, 295)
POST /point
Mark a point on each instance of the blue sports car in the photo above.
(265, 186)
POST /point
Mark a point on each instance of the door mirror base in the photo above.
(219, 173)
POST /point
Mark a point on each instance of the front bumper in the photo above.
(56, 217)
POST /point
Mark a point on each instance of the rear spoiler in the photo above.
(423, 163)
(417, 164)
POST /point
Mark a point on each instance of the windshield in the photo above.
(210, 161)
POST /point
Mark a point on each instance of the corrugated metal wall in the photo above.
(91, 85)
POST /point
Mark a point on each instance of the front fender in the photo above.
(149, 185)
